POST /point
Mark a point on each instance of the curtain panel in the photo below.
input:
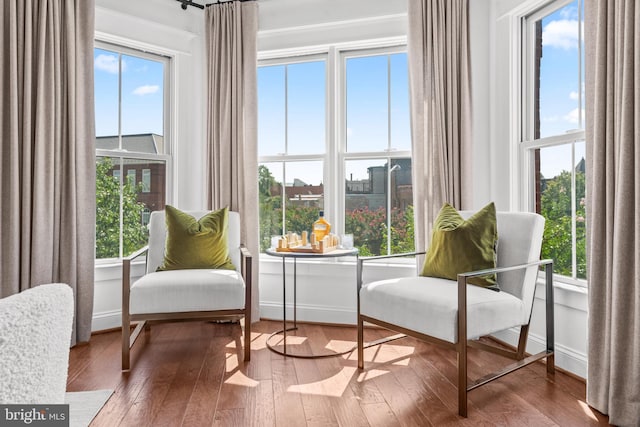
(612, 88)
(440, 89)
(232, 116)
(47, 200)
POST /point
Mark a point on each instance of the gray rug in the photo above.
(85, 405)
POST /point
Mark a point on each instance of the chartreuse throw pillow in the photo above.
(460, 246)
(195, 243)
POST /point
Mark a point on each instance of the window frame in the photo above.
(335, 155)
(120, 154)
(527, 143)
(342, 155)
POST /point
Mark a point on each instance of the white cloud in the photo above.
(145, 90)
(562, 34)
(573, 95)
(573, 115)
(108, 63)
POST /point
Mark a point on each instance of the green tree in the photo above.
(134, 233)
(556, 208)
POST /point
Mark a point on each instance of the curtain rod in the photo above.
(186, 3)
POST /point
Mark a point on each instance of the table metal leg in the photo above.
(284, 305)
(295, 292)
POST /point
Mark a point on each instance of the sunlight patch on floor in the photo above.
(291, 340)
(386, 353)
(231, 362)
(587, 410)
(241, 379)
(339, 346)
(333, 386)
(370, 374)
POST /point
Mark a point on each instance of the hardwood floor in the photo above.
(188, 374)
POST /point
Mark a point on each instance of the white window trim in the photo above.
(335, 123)
(142, 50)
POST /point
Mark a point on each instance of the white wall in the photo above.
(326, 292)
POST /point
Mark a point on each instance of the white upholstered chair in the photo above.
(194, 294)
(453, 314)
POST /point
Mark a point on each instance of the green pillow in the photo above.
(459, 246)
(195, 243)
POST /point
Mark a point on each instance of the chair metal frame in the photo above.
(462, 343)
(145, 319)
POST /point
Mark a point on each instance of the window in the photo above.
(346, 152)
(553, 131)
(146, 180)
(130, 103)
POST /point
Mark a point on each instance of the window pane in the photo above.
(106, 72)
(270, 179)
(400, 124)
(581, 240)
(558, 77)
(146, 180)
(142, 96)
(367, 103)
(402, 230)
(107, 207)
(135, 203)
(271, 110)
(131, 176)
(370, 210)
(556, 206)
(303, 198)
(306, 108)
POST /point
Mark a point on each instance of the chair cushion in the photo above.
(187, 290)
(193, 243)
(430, 305)
(459, 245)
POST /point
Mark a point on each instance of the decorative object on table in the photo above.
(293, 242)
(320, 229)
(346, 241)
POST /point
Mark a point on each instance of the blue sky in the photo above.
(561, 92)
(142, 94)
(374, 83)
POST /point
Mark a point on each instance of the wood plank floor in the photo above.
(188, 374)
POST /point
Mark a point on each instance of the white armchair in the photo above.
(453, 314)
(193, 294)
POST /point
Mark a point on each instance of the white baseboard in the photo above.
(565, 357)
(106, 320)
(309, 313)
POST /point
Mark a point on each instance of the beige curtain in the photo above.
(612, 41)
(440, 88)
(232, 155)
(47, 176)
